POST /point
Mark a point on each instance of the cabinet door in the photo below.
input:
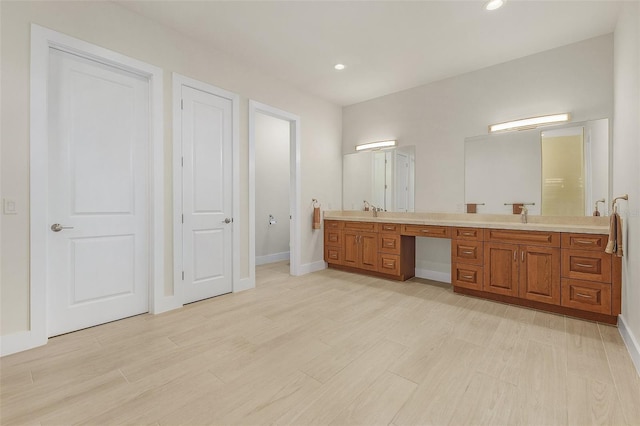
(501, 269)
(351, 248)
(368, 250)
(540, 274)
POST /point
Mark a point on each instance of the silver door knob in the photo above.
(227, 220)
(56, 227)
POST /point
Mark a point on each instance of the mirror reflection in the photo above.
(382, 179)
(558, 171)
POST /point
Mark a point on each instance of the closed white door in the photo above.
(402, 182)
(206, 194)
(98, 250)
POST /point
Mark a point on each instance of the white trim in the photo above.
(179, 81)
(244, 284)
(630, 341)
(427, 274)
(272, 258)
(17, 342)
(42, 39)
(295, 238)
(307, 268)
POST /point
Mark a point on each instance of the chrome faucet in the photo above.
(523, 214)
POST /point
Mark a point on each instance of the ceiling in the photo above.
(387, 46)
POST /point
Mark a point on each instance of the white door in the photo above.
(402, 182)
(206, 194)
(98, 250)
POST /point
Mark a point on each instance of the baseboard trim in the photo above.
(308, 268)
(20, 341)
(271, 258)
(244, 284)
(427, 274)
(630, 341)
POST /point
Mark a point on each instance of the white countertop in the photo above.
(585, 225)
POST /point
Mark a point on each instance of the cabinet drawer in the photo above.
(584, 241)
(475, 234)
(587, 296)
(389, 243)
(332, 237)
(538, 238)
(467, 276)
(333, 255)
(389, 264)
(463, 251)
(333, 224)
(393, 228)
(586, 265)
(362, 226)
(427, 231)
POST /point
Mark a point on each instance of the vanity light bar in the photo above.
(376, 145)
(529, 123)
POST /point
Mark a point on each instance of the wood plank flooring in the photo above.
(328, 348)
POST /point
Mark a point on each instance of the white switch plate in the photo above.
(9, 206)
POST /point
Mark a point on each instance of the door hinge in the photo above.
(182, 161)
(182, 275)
(182, 218)
(181, 103)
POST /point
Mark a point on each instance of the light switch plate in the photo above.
(9, 206)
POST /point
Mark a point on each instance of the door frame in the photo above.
(178, 262)
(42, 39)
(294, 186)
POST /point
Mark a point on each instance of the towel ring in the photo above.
(316, 203)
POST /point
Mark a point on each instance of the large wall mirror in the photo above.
(382, 178)
(557, 171)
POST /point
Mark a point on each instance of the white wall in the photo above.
(437, 117)
(111, 26)
(272, 187)
(626, 158)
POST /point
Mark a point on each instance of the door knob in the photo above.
(56, 227)
(227, 220)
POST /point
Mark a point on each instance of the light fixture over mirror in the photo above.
(375, 145)
(530, 123)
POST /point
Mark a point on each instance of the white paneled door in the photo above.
(206, 194)
(98, 249)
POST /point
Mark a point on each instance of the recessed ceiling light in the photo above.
(493, 4)
(339, 67)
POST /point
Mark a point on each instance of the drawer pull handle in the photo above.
(467, 252)
(467, 276)
(584, 265)
(390, 265)
(585, 242)
(523, 256)
(586, 296)
(425, 230)
(468, 234)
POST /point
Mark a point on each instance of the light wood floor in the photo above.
(329, 348)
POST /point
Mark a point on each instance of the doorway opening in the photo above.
(272, 168)
(274, 187)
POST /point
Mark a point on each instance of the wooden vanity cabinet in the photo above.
(396, 252)
(590, 277)
(527, 271)
(367, 247)
(333, 250)
(467, 258)
(360, 245)
(567, 273)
